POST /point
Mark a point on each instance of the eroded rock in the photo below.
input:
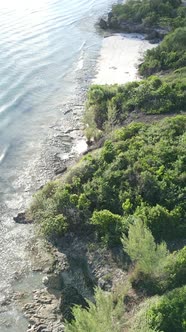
(70, 297)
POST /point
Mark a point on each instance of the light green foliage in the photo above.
(177, 76)
(140, 172)
(54, 226)
(168, 314)
(161, 313)
(151, 96)
(175, 269)
(150, 257)
(155, 268)
(103, 316)
(109, 226)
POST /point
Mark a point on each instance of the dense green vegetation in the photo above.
(156, 270)
(168, 314)
(139, 173)
(108, 106)
(156, 13)
(161, 314)
(150, 258)
(103, 316)
(131, 193)
(170, 54)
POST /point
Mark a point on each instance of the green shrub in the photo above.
(150, 258)
(175, 270)
(169, 313)
(160, 221)
(103, 316)
(139, 172)
(170, 54)
(54, 226)
(150, 96)
(147, 12)
(109, 226)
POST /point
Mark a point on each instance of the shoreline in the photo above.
(43, 299)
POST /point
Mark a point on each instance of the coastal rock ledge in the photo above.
(154, 34)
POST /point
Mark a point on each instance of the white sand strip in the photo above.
(119, 58)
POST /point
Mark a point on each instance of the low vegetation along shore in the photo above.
(117, 218)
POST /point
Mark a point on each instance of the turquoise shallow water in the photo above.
(43, 44)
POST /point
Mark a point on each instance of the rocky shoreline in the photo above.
(69, 273)
(76, 270)
(153, 34)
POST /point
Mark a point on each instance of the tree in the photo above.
(103, 316)
(142, 249)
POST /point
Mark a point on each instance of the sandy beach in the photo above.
(119, 58)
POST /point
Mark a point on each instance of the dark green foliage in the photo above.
(151, 96)
(170, 54)
(109, 226)
(175, 270)
(169, 312)
(140, 172)
(149, 13)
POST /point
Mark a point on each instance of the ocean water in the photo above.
(43, 44)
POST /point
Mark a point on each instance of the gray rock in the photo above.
(21, 218)
(103, 24)
(60, 170)
(53, 281)
(70, 297)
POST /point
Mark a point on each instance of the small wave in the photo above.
(3, 154)
(81, 57)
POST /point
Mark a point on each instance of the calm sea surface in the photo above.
(42, 45)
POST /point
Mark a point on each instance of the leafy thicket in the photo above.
(161, 314)
(150, 258)
(168, 314)
(156, 269)
(140, 173)
(103, 316)
(170, 54)
(108, 106)
(132, 191)
(149, 13)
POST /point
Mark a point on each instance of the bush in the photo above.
(150, 96)
(170, 54)
(103, 316)
(159, 220)
(109, 226)
(169, 313)
(146, 12)
(150, 258)
(175, 270)
(139, 172)
(54, 226)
